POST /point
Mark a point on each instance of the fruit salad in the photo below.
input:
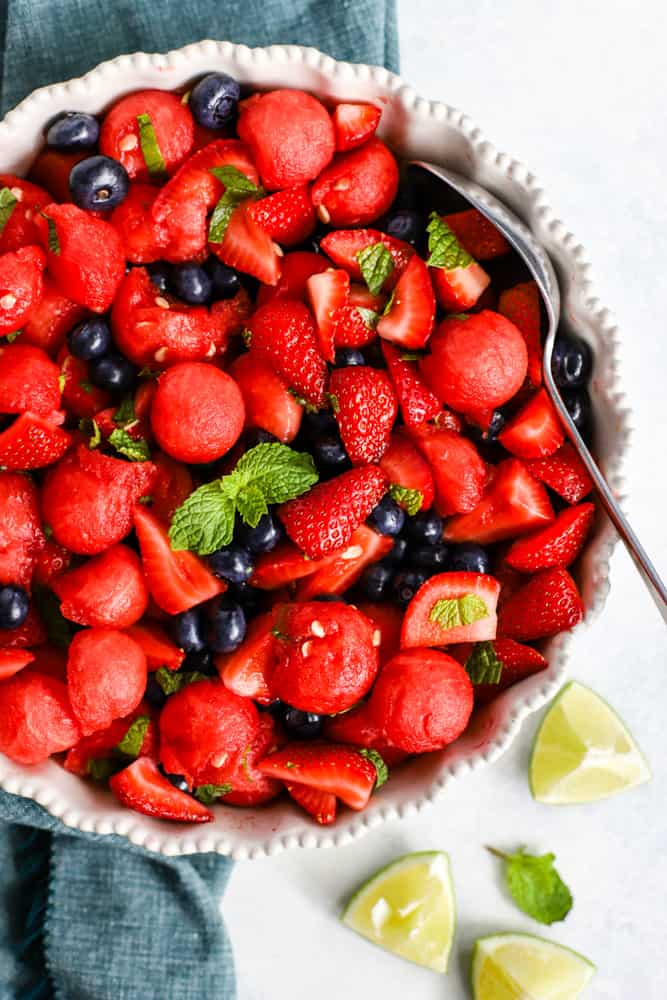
(283, 500)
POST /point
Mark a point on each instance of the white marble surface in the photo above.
(577, 91)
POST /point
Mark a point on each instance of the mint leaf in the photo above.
(376, 265)
(410, 500)
(11, 337)
(135, 449)
(237, 189)
(204, 523)
(483, 666)
(535, 885)
(150, 149)
(389, 303)
(133, 740)
(52, 238)
(251, 505)
(170, 681)
(102, 768)
(369, 316)
(209, 794)
(235, 182)
(444, 248)
(124, 415)
(89, 426)
(58, 629)
(378, 763)
(8, 203)
(281, 473)
(411, 356)
(453, 611)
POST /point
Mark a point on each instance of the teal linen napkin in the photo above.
(84, 917)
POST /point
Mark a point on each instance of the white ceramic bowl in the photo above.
(415, 128)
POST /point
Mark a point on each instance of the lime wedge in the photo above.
(583, 752)
(408, 908)
(524, 967)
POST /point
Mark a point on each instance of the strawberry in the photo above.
(339, 770)
(360, 728)
(282, 565)
(80, 396)
(158, 648)
(563, 472)
(518, 662)
(327, 293)
(436, 615)
(458, 286)
(247, 670)
(143, 238)
(353, 328)
(365, 405)
(357, 187)
(410, 318)
(36, 719)
(21, 537)
(172, 123)
(296, 269)
(320, 805)
(32, 442)
(177, 580)
(558, 544)
(363, 298)
(344, 245)
(268, 402)
(13, 660)
(287, 216)
(521, 305)
(52, 559)
(172, 486)
(514, 504)
(535, 431)
(324, 519)
(142, 787)
(418, 404)
(20, 286)
(51, 319)
(248, 248)
(477, 234)
(106, 677)
(341, 570)
(103, 743)
(547, 604)
(19, 229)
(282, 333)
(459, 474)
(354, 124)
(404, 466)
(107, 591)
(28, 381)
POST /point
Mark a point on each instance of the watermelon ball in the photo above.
(357, 187)
(197, 413)
(214, 100)
(106, 677)
(36, 719)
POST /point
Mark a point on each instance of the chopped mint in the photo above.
(88, 426)
(410, 500)
(62, 382)
(102, 768)
(535, 885)
(209, 794)
(411, 356)
(444, 249)
(237, 189)
(11, 337)
(483, 666)
(170, 681)
(52, 238)
(378, 763)
(246, 766)
(8, 203)
(376, 265)
(124, 415)
(453, 611)
(150, 149)
(136, 449)
(369, 316)
(132, 742)
(389, 303)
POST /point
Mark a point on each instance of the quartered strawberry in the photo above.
(458, 287)
(521, 305)
(459, 474)
(172, 124)
(287, 216)
(51, 171)
(344, 245)
(52, 559)
(341, 570)
(354, 124)
(513, 504)
(13, 660)
(365, 406)
(51, 319)
(177, 580)
(19, 229)
(558, 544)
(339, 770)
(282, 333)
(268, 402)
(143, 788)
(90, 279)
(107, 591)
(36, 719)
(548, 603)
(249, 787)
(296, 269)
(79, 395)
(357, 187)
(418, 404)
(405, 466)
(106, 677)
(518, 661)
(21, 535)
(451, 607)
(248, 248)
(32, 442)
(477, 234)
(327, 293)
(320, 805)
(247, 670)
(28, 380)
(144, 240)
(535, 431)
(20, 286)
(324, 519)
(563, 472)
(409, 321)
(284, 564)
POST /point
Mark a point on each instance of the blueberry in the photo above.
(329, 598)
(469, 558)
(177, 780)
(399, 551)
(98, 183)
(375, 581)
(319, 423)
(225, 281)
(14, 606)
(160, 275)
(188, 630)
(425, 529)
(405, 225)
(233, 563)
(90, 339)
(303, 725)
(73, 130)
(113, 372)
(226, 625)
(263, 537)
(257, 435)
(578, 404)
(247, 596)
(406, 584)
(496, 424)
(432, 558)
(214, 100)
(200, 662)
(328, 450)
(346, 357)
(387, 518)
(572, 362)
(191, 283)
(155, 696)
(311, 245)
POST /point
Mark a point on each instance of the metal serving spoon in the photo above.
(541, 269)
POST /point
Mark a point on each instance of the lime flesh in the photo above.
(524, 967)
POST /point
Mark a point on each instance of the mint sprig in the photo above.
(410, 500)
(209, 794)
(483, 666)
(136, 449)
(535, 885)
(266, 474)
(376, 265)
(8, 203)
(150, 149)
(237, 189)
(444, 248)
(453, 611)
(133, 740)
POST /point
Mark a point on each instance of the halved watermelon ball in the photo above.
(51, 318)
(459, 473)
(107, 591)
(357, 187)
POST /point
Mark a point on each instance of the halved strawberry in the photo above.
(548, 603)
(282, 565)
(268, 402)
(296, 268)
(248, 248)
(176, 580)
(477, 234)
(247, 670)
(558, 544)
(287, 216)
(339, 770)
(282, 333)
(339, 571)
(409, 321)
(363, 298)
(13, 660)
(459, 474)
(327, 292)
(518, 662)
(418, 404)
(451, 607)
(365, 406)
(521, 305)
(344, 245)
(404, 466)
(514, 504)
(32, 442)
(142, 787)
(320, 805)
(535, 431)
(354, 124)
(563, 472)
(158, 648)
